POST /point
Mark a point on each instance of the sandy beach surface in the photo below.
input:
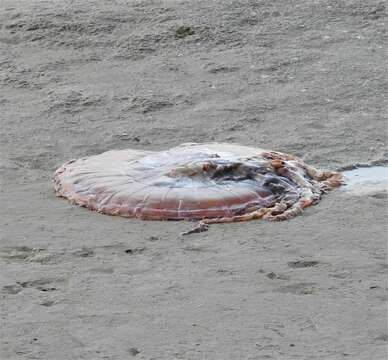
(81, 77)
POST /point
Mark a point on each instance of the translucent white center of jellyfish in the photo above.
(365, 180)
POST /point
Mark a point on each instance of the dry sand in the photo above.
(81, 77)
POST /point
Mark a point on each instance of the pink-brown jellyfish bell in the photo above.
(213, 183)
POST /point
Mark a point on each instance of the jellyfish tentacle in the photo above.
(254, 215)
(329, 179)
(282, 212)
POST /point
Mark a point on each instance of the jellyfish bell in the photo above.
(210, 182)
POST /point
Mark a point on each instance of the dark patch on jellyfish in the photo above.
(277, 184)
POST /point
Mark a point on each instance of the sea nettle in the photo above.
(212, 182)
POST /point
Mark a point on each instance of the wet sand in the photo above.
(82, 77)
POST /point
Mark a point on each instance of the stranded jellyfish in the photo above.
(213, 183)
